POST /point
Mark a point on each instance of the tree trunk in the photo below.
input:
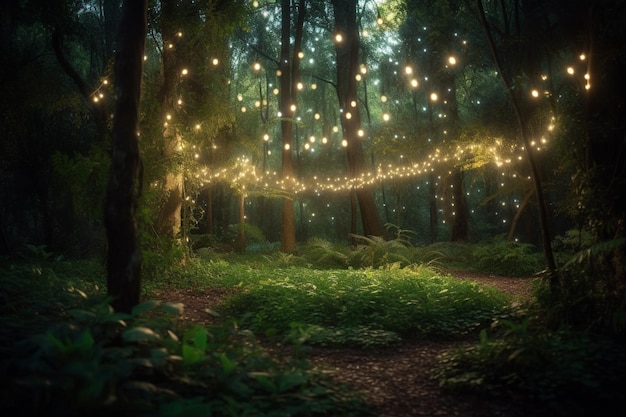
(290, 72)
(124, 188)
(432, 207)
(524, 134)
(347, 50)
(169, 216)
(460, 225)
(518, 213)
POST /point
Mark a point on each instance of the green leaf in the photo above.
(144, 307)
(174, 309)
(140, 334)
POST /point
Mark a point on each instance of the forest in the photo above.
(313, 207)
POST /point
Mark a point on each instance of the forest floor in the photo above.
(395, 381)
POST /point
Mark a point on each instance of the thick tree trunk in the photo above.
(347, 50)
(288, 223)
(124, 255)
(290, 72)
(168, 219)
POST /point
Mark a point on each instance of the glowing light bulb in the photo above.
(344, 143)
(534, 93)
(300, 54)
(313, 86)
(414, 83)
(338, 38)
(348, 115)
(434, 97)
(386, 117)
(383, 98)
(408, 70)
(256, 66)
(570, 70)
(353, 103)
(287, 146)
(185, 71)
(215, 61)
(300, 86)
(452, 60)
(266, 137)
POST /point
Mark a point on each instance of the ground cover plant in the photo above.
(66, 352)
(62, 344)
(364, 307)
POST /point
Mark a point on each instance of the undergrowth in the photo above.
(364, 307)
(65, 352)
(557, 373)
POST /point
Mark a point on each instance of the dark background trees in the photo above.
(431, 145)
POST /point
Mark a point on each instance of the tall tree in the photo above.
(168, 219)
(347, 47)
(124, 255)
(289, 67)
(523, 105)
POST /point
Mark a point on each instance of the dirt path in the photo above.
(396, 381)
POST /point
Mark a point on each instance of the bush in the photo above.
(506, 258)
(563, 373)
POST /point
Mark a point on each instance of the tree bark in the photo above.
(124, 188)
(347, 51)
(290, 72)
(168, 218)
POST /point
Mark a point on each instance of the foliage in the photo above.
(591, 292)
(87, 359)
(506, 258)
(252, 233)
(493, 256)
(560, 369)
(324, 254)
(367, 305)
(376, 252)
